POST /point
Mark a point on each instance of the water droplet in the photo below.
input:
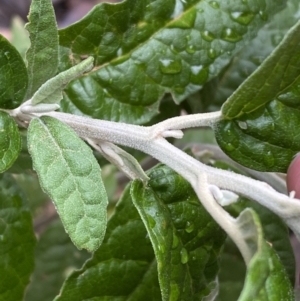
(230, 35)
(173, 49)
(119, 52)
(188, 37)
(268, 159)
(207, 36)
(194, 258)
(151, 221)
(229, 147)
(7, 54)
(110, 81)
(212, 53)
(175, 241)
(190, 49)
(168, 66)
(184, 256)
(193, 212)
(162, 248)
(189, 228)
(243, 18)
(263, 15)
(214, 4)
(199, 75)
(243, 125)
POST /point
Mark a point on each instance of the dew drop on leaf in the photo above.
(207, 36)
(229, 147)
(168, 66)
(151, 221)
(189, 228)
(212, 53)
(230, 35)
(199, 75)
(190, 49)
(243, 18)
(268, 159)
(184, 256)
(263, 15)
(214, 4)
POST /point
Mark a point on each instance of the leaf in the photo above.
(51, 91)
(13, 76)
(17, 241)
(186, 240)
(19, 36)
(144, 49)
(10, 141)
(275, 232)
(215, 93)
(276, 73)
(266, 278)
(55, 258)
(264, 112)
(124, 266)
(42, 56)
(70, 175)
(231, 280)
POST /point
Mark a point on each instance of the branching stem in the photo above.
(151, 140)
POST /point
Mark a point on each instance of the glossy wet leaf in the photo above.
(42, 56)
(186, 240)
(70, 175)
(263, 114)
(144, 49)
(10, 141)
(123, 268)
(275, 233)
(231, 280)
(216, 92)
(17, 241)
(55, 258)
(266, 278)
(13, 76)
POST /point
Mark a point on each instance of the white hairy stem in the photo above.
(151, 140)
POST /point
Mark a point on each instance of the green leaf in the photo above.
(71, 176)
(266, 278)
(23, 163)
(51, 91)
(145, 48)
(123, 268)
(13, 76)
(215, 93)
(19, 35)
(276, 73)
(232, 273)
(42, 56)
(264, 112)
(17, 241)
(186, 240)
(10, 141)
(275, 232)
(55, 258)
